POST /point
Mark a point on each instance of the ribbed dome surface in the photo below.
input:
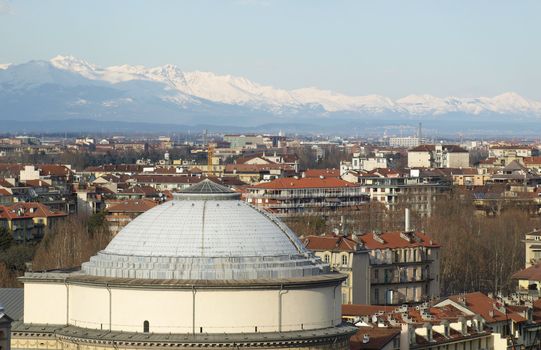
(199, 228)
(205, 235)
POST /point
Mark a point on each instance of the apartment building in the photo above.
(512, 151)
(122, 212)
(346, 255)
(529, 278)
(254, 141)
(470, 177)
(438, 156)
(415, 189)
(362, 163)
(404, 266)
(254, 173)
(27, 221)
(383, 268)
(405, 142)
(294, 196)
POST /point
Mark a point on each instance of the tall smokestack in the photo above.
(407, 220)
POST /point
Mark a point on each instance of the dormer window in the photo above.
(344, 260)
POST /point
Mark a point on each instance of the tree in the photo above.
(6, 238)
(71, 242)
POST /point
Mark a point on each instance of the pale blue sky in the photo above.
(393, 48)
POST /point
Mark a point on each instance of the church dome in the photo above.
(205, 233)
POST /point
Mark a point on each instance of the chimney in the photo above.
(366, 338)
(446, 329)
(463, 325)
(407, 220)
(429, 335)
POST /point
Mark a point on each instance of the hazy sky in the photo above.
(393, 48)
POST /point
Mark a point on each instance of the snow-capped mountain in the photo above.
(66, 87)
(232, 90)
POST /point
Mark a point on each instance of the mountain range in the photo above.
(68, 89)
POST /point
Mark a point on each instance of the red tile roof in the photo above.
(431, 148)
(144, 190)
(489, 160)
(378, 337)
(54, 170)
(484, 306)
(423, 148)
(256, 168)
(531, 160)
(446, 312)
(131, 206)
(243, 160)
(511, 147)
(322, 172)
(364, 310)
(132, 168)
(37, 183)
(5, 183)
(532, 273)
(331, 242)
(24, 210)
(395, 239)
(312, 182)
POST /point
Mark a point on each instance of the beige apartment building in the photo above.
(346, 255)
(438, 156)
(385, 268)
(404, 267)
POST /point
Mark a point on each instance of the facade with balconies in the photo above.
(294, 196)
(416, 190)
(404, 267)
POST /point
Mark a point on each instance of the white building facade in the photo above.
(205, 268)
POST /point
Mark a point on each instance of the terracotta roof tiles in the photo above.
(312, 182)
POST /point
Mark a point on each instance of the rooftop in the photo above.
(205, 232)
(307, 182)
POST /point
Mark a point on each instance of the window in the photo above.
(344, 259)
(376, 275)
(326, 258)
(146, 327)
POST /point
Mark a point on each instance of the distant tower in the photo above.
(420, 133)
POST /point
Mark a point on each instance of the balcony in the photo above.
(308, 194)
(407, 280)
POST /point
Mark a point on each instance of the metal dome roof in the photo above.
(205, 233)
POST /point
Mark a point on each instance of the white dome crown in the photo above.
(206, 232)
